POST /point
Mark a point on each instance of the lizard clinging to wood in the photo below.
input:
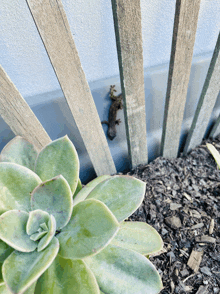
(112, 121)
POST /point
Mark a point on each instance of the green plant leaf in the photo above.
(138, 236)
(78, 188)
(5, 251)
(54, 197)
(13, 230)
(16, 183)
(59, 157)
(69, 277)
(49, 236)
(91, 227)
(120, 271)
(88, 188)
(122, 194)
(5, 290)
(35, 219)
(19, 151)
(214, 153)
(20, 270)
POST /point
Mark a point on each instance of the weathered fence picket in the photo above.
(206, 102)
(53, 26)
(127, 21)
(185, 24)
(18, 115)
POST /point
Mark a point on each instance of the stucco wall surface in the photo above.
(25, 60)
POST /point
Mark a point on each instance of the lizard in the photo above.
(115, 106)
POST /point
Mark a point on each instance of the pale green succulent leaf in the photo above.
(138, 236)
(120, 271)
(88, 188)
(69, 277)
(44, 227)
(16, 183)
(19, 151)
(5, 251)
(122, 194)
(20, 270)
(78, 188)
(91, 227)
(13, 230)
(37, 236)
(55, 197)
(214, 153)
(43, 243)
(35, 220)
(5, 290)
(59, 157)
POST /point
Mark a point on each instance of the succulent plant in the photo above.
(57, 237)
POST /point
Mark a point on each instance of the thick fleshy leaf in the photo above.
(5, 251)
(78, 188)
(49, 236)
(120, 271)
(122, 194)
(88, 188)
(5, 290)
(35, 219)
(19, 151)
(59, 157)
(54, 197)
(69, 277)
(138, 236)
(16, 183)
(214, 153)
(13, 230)
(20, 270)
(91, 227)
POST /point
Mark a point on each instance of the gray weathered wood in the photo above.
(216, 128)
(18, 115)
(185, 24)
(127, 20)
(53, 26)
(206, 102)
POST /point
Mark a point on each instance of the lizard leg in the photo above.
(105, 122)
(118, 121)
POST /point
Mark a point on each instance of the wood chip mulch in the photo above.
(182, 203)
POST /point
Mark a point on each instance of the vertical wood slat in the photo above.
(185, 24)
(53, 26)
(206, 102)
(18, 115)
(127, 21)
(215, 129)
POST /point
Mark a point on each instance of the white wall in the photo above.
(24, 58)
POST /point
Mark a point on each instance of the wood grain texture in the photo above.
(127, 21)
(53, 26)
(185, 24)
(206, 102)
(18, 115)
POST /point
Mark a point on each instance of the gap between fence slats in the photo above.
(18, 115)
(185, 24)
(215, 129)
(206, 102)
(53, 26)
(127, 21)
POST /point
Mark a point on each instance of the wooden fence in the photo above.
(51, 21)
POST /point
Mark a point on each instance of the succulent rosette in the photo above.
(57, 237)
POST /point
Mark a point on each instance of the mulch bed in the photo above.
(182, 203)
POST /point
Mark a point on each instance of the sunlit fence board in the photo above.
(18, 115)
(52, 24)
(127, 21)
(185, 24)
(206, 102)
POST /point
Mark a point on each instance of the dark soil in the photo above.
(182, 203)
